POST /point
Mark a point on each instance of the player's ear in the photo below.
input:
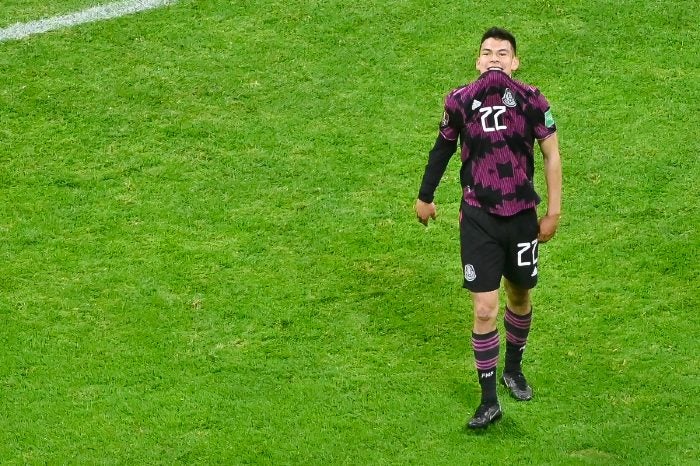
(516, 63)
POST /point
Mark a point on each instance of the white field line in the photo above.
(89, 15)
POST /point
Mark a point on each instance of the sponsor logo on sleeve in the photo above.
(445, 119)
(548, 118)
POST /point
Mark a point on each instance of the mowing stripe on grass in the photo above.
(89, 15)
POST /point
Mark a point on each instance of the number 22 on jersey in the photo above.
(491, 118)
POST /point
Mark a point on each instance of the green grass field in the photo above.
(209, 253)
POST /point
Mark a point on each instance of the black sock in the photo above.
(486, 348)
(517, 330)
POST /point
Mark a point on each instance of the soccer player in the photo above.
(496, 120)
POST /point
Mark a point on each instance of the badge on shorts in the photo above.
(469, 273)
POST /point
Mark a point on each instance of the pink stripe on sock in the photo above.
(481, 345)
(488, 364)
(515, 340)
(522, 322)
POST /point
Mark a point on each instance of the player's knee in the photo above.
(519, 302)
(485, 314)
(518, 298)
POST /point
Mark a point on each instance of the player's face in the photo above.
(496, 54)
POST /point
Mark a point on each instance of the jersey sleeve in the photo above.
(543, 120)
(449, 125)
(445, 146)
(437, 164)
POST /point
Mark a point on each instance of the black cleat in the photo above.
(485, 414)
(517, 385)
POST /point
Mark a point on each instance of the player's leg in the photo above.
(521, 276)
(486, 346)
(482, 262)
(486, 343)
(518, 299)
(485, 306)
(517, 319)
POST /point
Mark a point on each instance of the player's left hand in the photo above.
(548, 227)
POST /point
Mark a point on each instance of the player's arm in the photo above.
(553, 178)
(437, 164)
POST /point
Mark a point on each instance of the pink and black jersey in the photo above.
(496, 120)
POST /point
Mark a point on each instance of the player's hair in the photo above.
(500, 34)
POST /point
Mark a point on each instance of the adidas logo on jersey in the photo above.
(476, 104)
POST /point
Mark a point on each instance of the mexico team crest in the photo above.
(508, 99)
(469, 273)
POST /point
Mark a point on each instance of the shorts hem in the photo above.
(478, 289)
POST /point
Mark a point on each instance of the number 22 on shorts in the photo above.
(525, 259)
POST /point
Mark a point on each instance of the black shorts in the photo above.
(494, 247)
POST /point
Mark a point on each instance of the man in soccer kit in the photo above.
(496, 120)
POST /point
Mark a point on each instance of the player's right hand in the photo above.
(425, 211)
